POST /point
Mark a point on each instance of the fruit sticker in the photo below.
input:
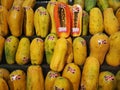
(25, 59)
(51, 38)
(83, 42)
(57, 88)
(16, 8)
(39, 40)
(100, 41)
(82, 87)
(8, 40)
(71, 70)
(109, 78)
(53, 75)
(15, 77)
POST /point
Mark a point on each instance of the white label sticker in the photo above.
(15, 77)
(75, 30)
(62, 29)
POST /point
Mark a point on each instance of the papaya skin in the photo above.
(7, 3)
(3, 84)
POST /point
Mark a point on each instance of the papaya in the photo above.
(17, 80)
(79, 50)
(80, 2)
(11, 46)
(107, 81)
(4, 73)
(7, 3)
(3, 84)
(50, 79)
(111, 23)
(96, 23)
(2, 42)
(85, 23)
(18, 3)
(29, 3)
(3, 21)
(36, 51)
(15, 20)
(35, 78)
(99, 46)
(69, 55)
(76, 19)
(89, 4)
(28, 22)
(117, 76)
(62, 83)
(102, 4)
(112, 56)
(90, 74)
(58, 59)
(73, 73)
(117, 14)
(23, 51)
(62, 19)
(50, 42)
(115, 4)
(41, 21)
(50, 7)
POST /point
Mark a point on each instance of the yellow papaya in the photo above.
(2, 42)
(11, 46)
(17, 80)
(96, 23)
(107, 81)
(58, 59)
(50, 79)
(117, 76)
(7, 3)
(73, 73)
(50, 7)
(113, 56)
(50, 42)
(99, 46)
(76, 19)
(117, 14)
(36, 51)
(69, 55)
(29, 3)
(35, 78)
(3, 84)
(79, 50)
(80, 2)
(23, 51)
(28, 22)
(4, 73)
(18, 2)
(3, 21)
(62, 83)
(111, 23)
(41, 21)
(15, 20)
(90, 74)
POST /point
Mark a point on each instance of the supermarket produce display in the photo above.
(59, 45)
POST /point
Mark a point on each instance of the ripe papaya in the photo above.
(62, 19)
(99, 46)
(113, 56)
(73, 73)
(15, 20)
(36, 51)
(76, 19)
(4, 73)
(28, 22)
(117, 80)
(96, 23)
(50, 79)
(107, 81)
(3, 21)
(41, 21)
(11, 46)
(102, 4)
(23, 51)
(58, 59)
(62, 83)
(50, 42)
(111, 23)
(17, 80)
(7, 3)
(79, 50)
(90, 74)
(80, 2)
(2, 42)
(3, 84)
(29, 3)
(35, 78)
(85, 23)
(50, 7)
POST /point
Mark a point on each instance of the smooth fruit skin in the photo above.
(4, 73)
(2, 42)
(118, 80)
(3, 84)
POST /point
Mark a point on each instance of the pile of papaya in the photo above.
(74, 40)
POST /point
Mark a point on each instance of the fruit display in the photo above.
(59, 45)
